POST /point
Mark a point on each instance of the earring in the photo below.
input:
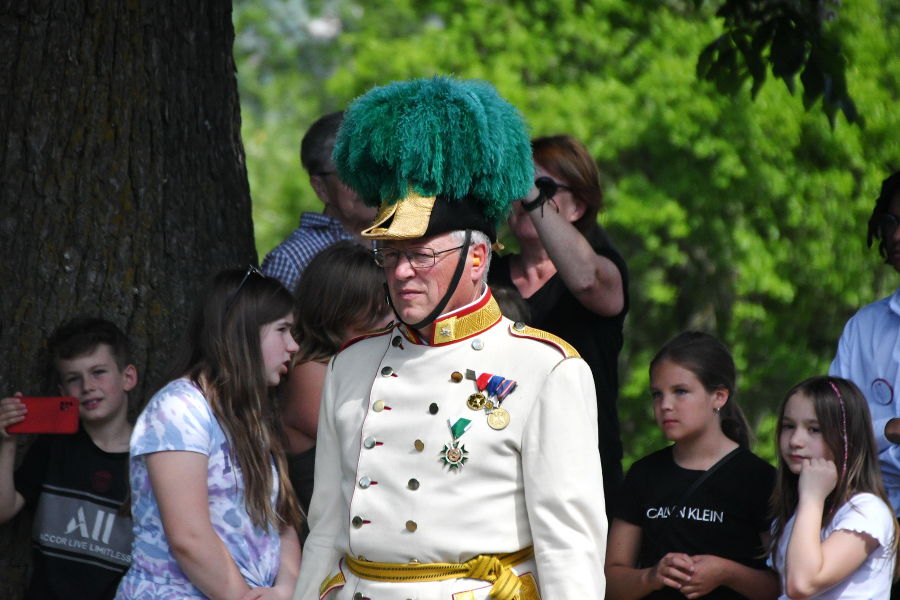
(476, 261)
(717, 409)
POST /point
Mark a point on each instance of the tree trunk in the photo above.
(123, 182)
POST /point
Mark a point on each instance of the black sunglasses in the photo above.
(887, 223)
(547, 186)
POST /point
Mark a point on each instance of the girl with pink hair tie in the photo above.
(834, 534)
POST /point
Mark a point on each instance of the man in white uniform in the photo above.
(457, 451)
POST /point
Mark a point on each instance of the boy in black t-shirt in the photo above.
(77, 483)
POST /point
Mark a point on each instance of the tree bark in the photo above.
(123, 182)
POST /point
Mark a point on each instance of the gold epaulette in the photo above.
(522, 330)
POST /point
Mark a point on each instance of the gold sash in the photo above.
(493, 568)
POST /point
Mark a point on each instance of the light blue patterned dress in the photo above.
(179, 418)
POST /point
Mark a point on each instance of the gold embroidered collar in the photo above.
(462, 324)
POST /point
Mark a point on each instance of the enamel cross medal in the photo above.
(454, 454)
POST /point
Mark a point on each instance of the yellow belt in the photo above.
(493, 568)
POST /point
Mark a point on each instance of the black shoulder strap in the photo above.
(706, 475)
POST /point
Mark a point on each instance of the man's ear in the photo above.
(318, 185)
(479, 260)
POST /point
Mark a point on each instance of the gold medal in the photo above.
(498, 418)
(476, 401)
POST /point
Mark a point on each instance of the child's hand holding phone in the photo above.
(12, 412)
(21, 414)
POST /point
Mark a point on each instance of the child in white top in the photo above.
(834, 535)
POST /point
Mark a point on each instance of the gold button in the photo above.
(378, 406)
(413, 484)
(419, 444)
(456, 376)
(411, 526)
(387, 371)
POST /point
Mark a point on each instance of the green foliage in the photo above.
(793, 38)
(744, 217)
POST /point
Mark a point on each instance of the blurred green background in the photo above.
(745, 218)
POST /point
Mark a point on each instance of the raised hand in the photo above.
(818, 476)
(12, 411)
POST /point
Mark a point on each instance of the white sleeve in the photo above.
(564, 485)
(868, 514)
(328, 512)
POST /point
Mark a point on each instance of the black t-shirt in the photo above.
(82, 543)
(723, 517)
(598, 340)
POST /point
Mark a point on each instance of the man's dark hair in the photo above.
(317, 144)
(82, 335)
(890, 188)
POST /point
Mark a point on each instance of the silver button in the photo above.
(378, 406)
(357, 521)
(413, 484)
(387, 371)
(369, 442)
(519, 326)
(477, 344)
(365, 481)
(396, 341)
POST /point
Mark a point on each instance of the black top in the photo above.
(597, 339)
(723, 517)
(82, 543)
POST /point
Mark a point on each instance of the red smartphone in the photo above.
(57, 414)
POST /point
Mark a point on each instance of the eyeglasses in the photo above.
(251, 270)
(419, 258)
(887, 224)
(547, 186)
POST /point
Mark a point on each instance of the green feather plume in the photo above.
(440, 137)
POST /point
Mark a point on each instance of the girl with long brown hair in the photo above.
(834, 535)
(214, 513)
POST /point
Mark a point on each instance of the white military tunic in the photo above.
(384, 493)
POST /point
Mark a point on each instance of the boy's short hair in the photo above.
(82, 335)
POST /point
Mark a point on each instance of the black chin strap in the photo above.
(457, 275)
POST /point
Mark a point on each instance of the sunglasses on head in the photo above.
(251, 270)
